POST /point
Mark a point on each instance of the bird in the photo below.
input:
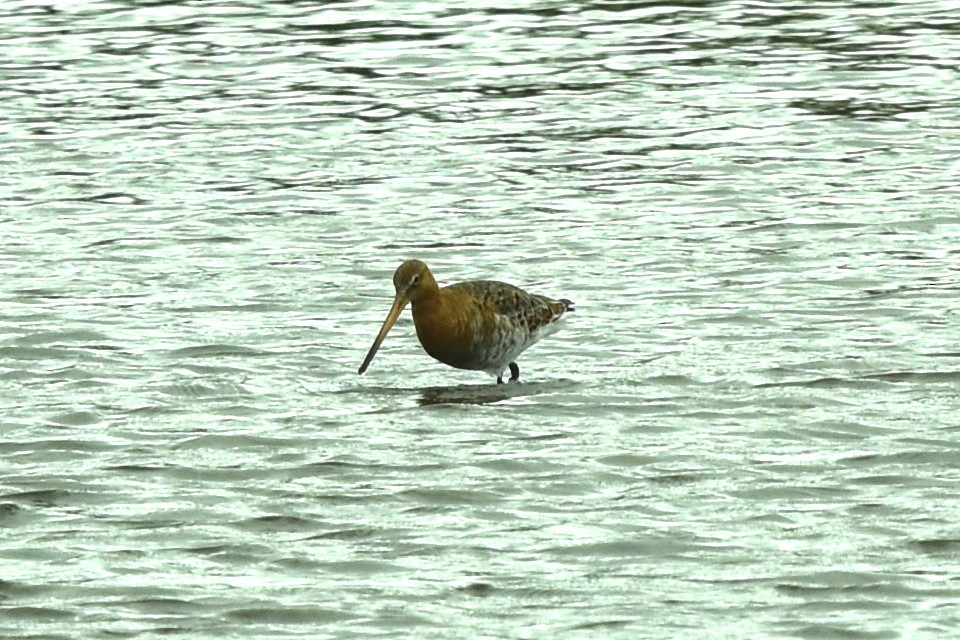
(478, 325)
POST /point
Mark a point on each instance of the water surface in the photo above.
(747, 430)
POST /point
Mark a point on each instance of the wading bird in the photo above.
(481, 325)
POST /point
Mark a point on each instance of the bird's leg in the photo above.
(499, 379)
(514, 372)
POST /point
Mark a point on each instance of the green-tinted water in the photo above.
(748, 429)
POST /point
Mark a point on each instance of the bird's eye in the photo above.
(415, 280)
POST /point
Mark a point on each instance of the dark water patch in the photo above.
(400, 622)
(830, 382)
(286, 615)
(616, 623)
(937, 546)
(338, 467)
(858, 109)
(434, 245)
(874, 509)
(39, 354)
(363, 533)
(44, 447)
(238, 473)
(66, 377)
(61, 336)
(649, 547)
(931, 454)
(127, 241)
(55, 551)
(215, 351)
(369, 468)
(816, 583)
(780, 519)
(214, 370)
(353, 496)
(241, 308)
(37, 614)
(75, 419)
(805, 493)
(39, 293)
(676, 479)
(377, 391)
(298, 565)
(792, 226)
(13, 589)
(227, 441)
(476, 394)
(154, 411)
(42, 497)
(846, 604)
(151, 469)
(514, 466)
(890, 480)
(106, 348)
(111, 198)
(207, 389)
(842, 429)
(467, 394)
(477, 589)
(168, 606)
(671, 380)
(545, 437)
(238, 553)
(943, 354)
(825, 631)
(215, 239)
(783, 435)
(450, 497)
(161, 519)
(354, 567)
(8, 510)
(277, 523)
(916, 376)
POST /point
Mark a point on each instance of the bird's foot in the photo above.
(514, 373)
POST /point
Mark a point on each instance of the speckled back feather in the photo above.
(530, 311)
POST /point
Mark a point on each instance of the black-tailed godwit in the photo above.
(481, 325)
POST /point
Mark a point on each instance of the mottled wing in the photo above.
(519, 308)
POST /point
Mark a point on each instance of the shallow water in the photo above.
(748, 428)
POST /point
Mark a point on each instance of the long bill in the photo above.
(399, 303)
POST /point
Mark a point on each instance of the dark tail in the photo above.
(568, 304)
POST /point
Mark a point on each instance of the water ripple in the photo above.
(748, 427)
